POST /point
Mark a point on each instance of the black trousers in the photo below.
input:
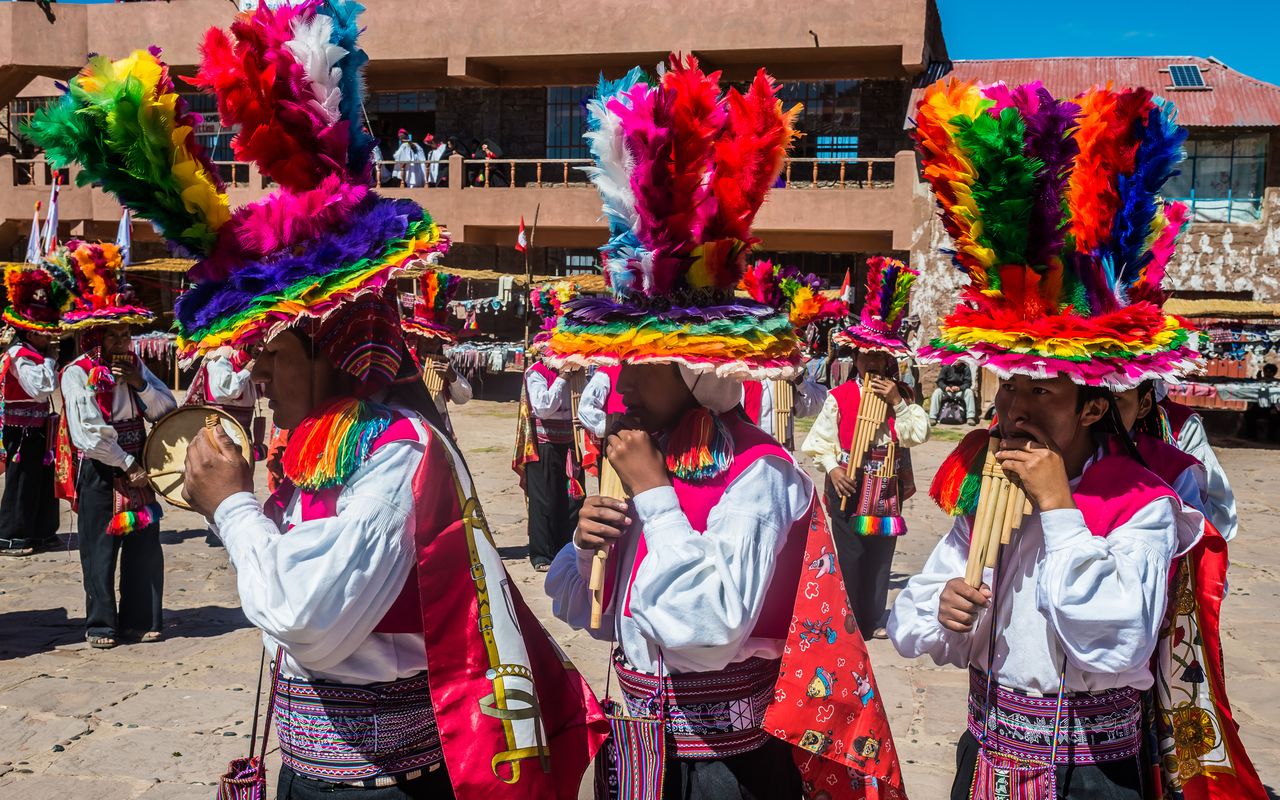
(1118, 780)
(865, 563)
(767, 773)
(431, 786)
(29, 514)
(552, 513)
(138, 553)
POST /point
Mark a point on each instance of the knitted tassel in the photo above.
(130, 521)
(878, 526)
(700, 448)
(956, 484)
(333, 443)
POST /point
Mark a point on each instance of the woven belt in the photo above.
(1097, 727)
(374, 735)
(25, 415)
(709, 714)
(553, 431)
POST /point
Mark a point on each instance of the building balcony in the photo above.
(821, 205)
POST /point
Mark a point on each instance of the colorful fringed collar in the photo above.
(332, 443)
(700, 448)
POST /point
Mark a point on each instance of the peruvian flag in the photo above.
(33, 241)
(522, 240)
(846, 288)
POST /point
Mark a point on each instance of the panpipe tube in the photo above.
(998, 515)
(610, 486)
(1013, 514)
(981, 521)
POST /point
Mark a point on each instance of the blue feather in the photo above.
(345, 34)
(1159, 151)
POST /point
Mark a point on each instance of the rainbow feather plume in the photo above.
(333, 442)
(132, 134)
(958, 481)
(784, 288)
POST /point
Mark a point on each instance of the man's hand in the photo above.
(844, 485)
(601, 522)
(886, 389)
(136, 475)
(960, 605)
(130, 373)
(215, 470)
(444, 368)
(1036, 465)
(637, 461)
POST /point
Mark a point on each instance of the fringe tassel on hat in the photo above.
(700, 448)
(333, 443)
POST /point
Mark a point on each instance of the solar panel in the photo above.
(1186, 75)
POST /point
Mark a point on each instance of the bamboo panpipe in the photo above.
(784, 403)
(434, 380)
(1001, 509)
(872, 412)
(610, 486)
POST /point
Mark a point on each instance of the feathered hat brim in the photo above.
(427, 329)
(111, 315)
(265, 295)
(744, 340)
(1118, 350)
(13, 318)
(865, 338)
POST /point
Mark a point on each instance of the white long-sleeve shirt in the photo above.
(321, 589)
(697, 597)
(807, 401)
(1101, 600)
(548, 402)
(591, 406)
(1219, 500)
(90, 433)
(823, 442)
(37, 380)
(228, 385)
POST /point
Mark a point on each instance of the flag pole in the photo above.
(528, 279)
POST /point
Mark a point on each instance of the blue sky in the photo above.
(1239, 33)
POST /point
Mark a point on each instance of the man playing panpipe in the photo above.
(865, 456)
(721, 549)
(107, 394)
(1059, 625)
(384, 688)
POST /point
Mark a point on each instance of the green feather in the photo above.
(1004, 190)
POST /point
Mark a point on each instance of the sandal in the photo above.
(101, 642)
(139, 637)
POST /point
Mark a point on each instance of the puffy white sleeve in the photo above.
(1219, 500)
(698, 597)
(226, 383)
(911, 422)
(591, 405)
(822, 443)
(321, 589)
(90, 433)
(1105, 597)
(913, 623)
(155, 398)
(544, 399)
(459, 389)
(37, 380)
(569, 587)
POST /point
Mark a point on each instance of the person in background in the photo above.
(108, 393)
(547, 478)
(224, 381)
(1186, 428)
(29, 513)
(1264, 412)
(955, 383)
(427, 332)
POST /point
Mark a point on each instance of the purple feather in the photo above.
(1048, 127)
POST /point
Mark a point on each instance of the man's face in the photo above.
(872, 361)
(1133, 405)
(292, 379)
(655, 394)
(116, 340)
(40, 341)
(1048, 405)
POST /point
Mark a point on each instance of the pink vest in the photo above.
(546, 372)
(614, 404)
(696, 501)
(16, 406)
(1113, 489)
(1164, 459)
(753, 400)
(848, 397)
(405, 615)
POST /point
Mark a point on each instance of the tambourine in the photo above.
(164, 454)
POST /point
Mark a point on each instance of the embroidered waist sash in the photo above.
(553, 431)
(24, 414)
(1096, 727)
(709, 714)
(339, 733)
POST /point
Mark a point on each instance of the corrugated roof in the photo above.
(1231, 99)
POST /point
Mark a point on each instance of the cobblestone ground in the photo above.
(160, 721)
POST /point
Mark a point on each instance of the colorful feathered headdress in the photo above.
(1054, 207)
(289, 80)
(36, 298)
(879, 325)
(682, 168)
(784, 288)
(548, 300)
(429, 319)
(91, 271)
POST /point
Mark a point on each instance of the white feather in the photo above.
(614, 164)
(319, 57)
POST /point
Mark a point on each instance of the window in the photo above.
(831, 118)
(1222, 178)
(581, 263)
(21, 110)
(1186, 76)
(566, 121)
(836, 148)
(401, 102)
(210, 132)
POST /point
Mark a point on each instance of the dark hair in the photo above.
(1110, 427)
(1150, 424)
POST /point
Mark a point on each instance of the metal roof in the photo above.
(1228, 98)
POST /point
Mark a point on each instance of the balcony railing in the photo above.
(838, 173)
(522, 173)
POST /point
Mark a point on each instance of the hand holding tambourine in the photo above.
(215, 470)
